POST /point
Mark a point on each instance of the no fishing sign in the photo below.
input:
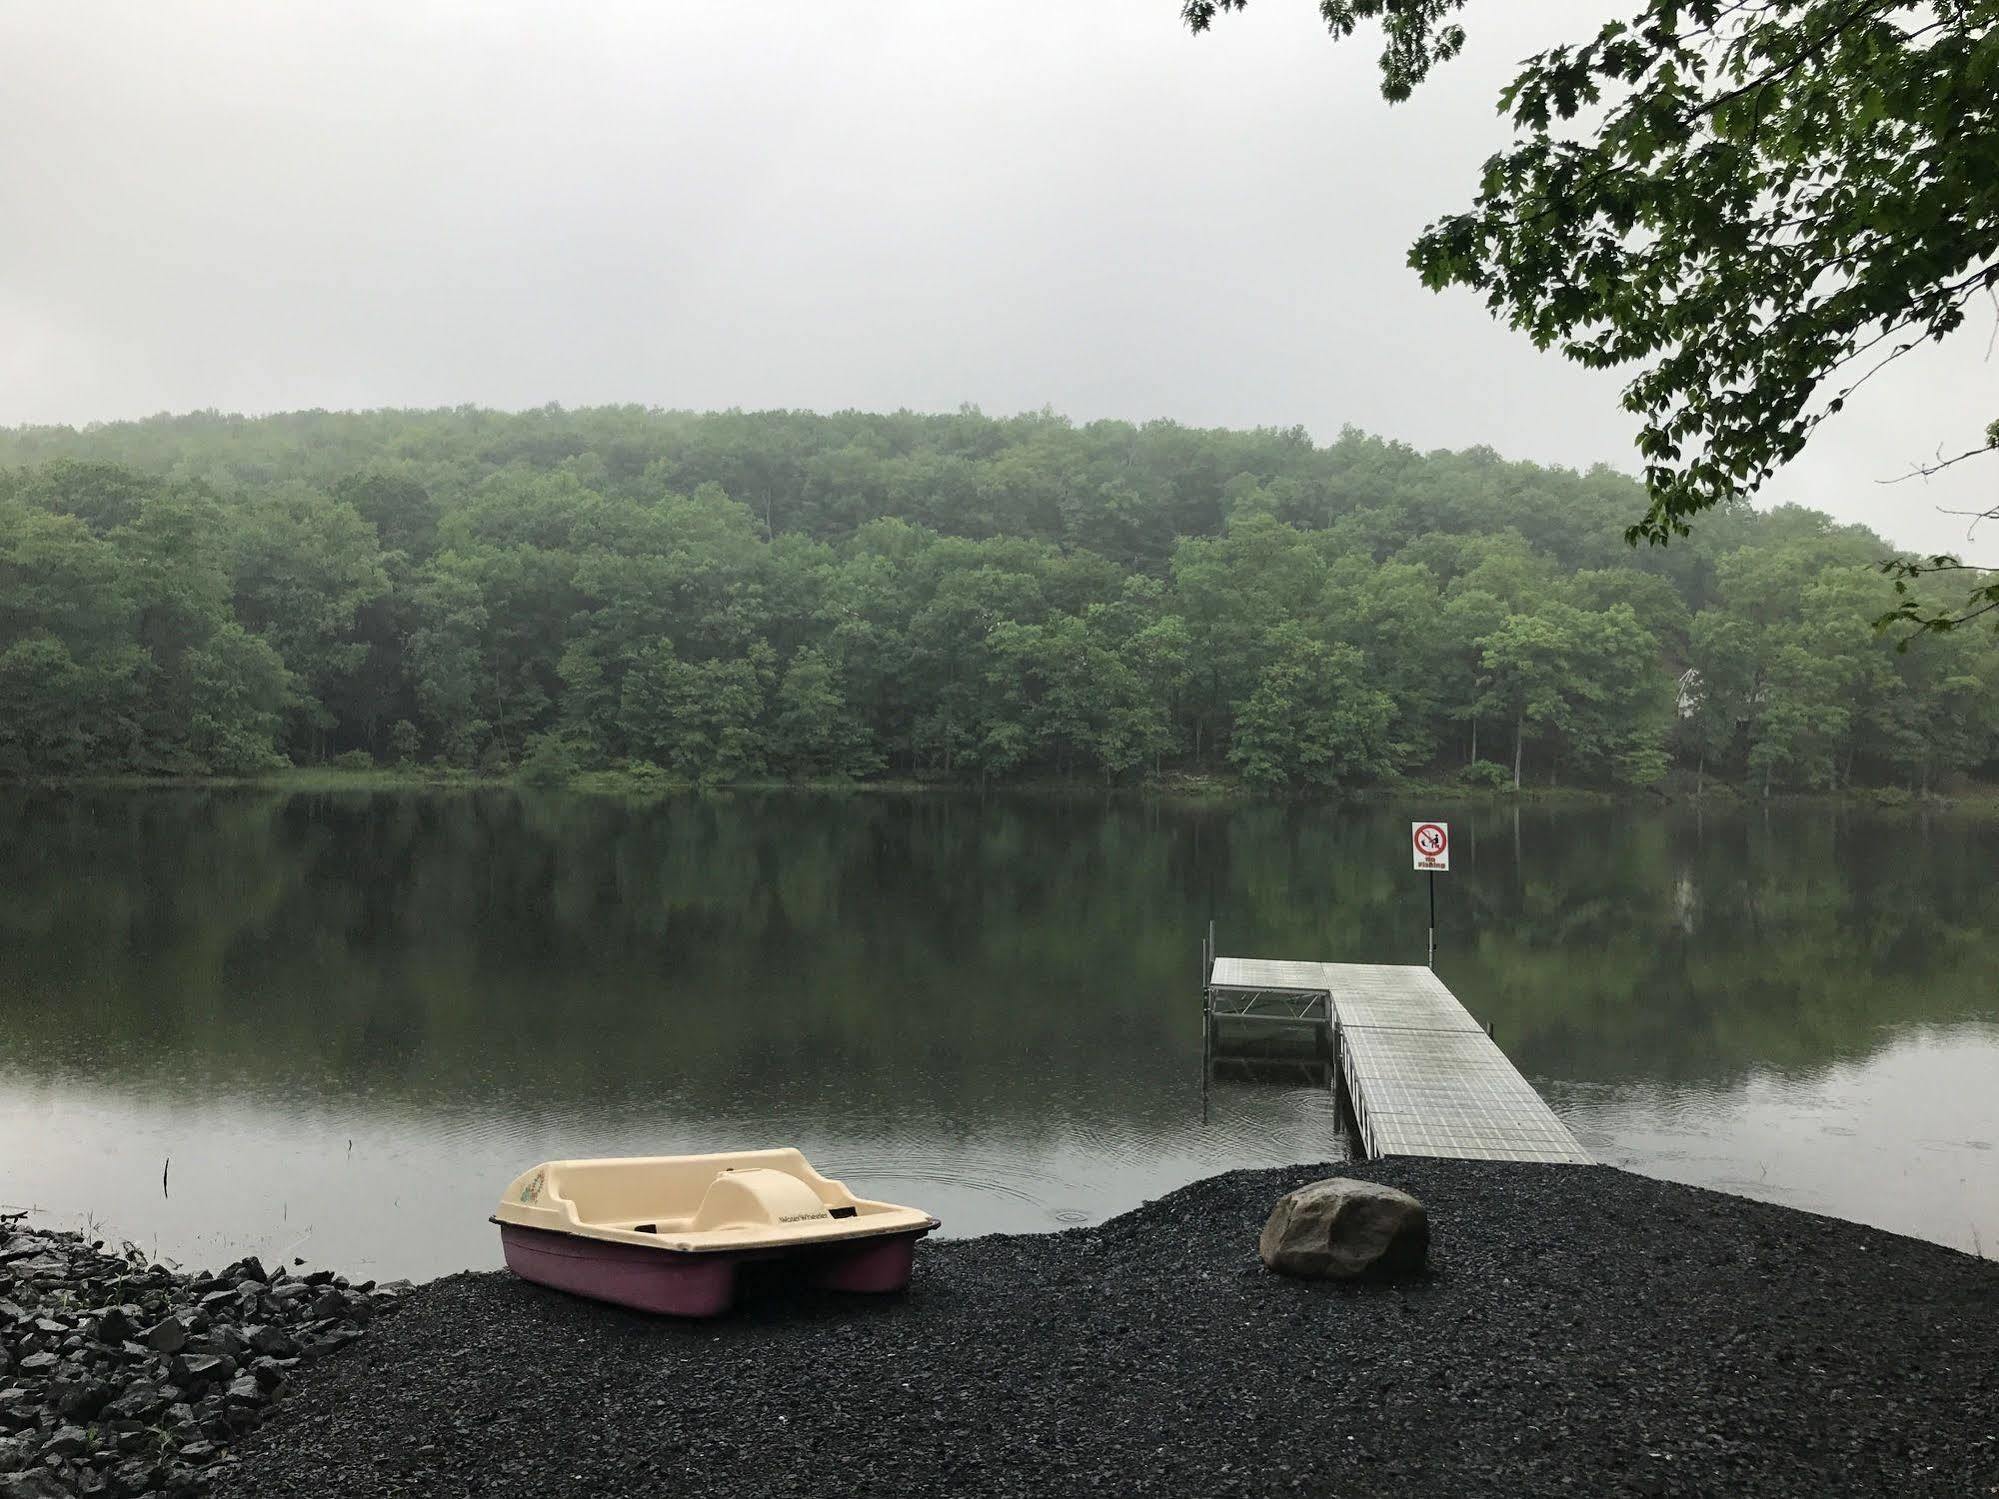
(1432, 844)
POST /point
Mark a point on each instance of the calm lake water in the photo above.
(348, 1019)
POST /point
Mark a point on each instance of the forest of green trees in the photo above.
(744, 596)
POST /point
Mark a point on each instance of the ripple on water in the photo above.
(982, 1174)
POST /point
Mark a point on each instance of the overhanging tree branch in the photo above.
(1774, 191)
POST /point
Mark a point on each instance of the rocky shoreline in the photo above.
(1580, 1330)
(119, 1377)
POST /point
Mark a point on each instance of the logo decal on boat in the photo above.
(533, 1188)
(801, 1217)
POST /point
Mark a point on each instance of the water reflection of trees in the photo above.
(938, 952)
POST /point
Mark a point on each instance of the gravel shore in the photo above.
(1582, 1331)
(120, 1377)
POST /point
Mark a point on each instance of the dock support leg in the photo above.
(1207, 1047)
(1433, 918)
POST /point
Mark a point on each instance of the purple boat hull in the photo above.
(683, 1284)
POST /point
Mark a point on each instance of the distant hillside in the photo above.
(738, 596)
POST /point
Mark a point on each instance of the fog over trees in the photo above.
(744, 596)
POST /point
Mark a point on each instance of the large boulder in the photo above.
(1340, 1229)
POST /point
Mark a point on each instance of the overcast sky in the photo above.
(1043, 202)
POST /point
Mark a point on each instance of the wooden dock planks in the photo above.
(1423, 1077)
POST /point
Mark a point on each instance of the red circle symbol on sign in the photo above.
(1430, 840)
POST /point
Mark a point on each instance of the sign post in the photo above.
(1431, 843)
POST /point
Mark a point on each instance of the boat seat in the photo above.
(756, 1198)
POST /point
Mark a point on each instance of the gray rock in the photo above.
(37, 1483)
(194, 1368)
(274, 1341)
(114, 1326)
(1339, 1229)
(82, 1400)
(331, 1342)
(268, 1373)
(248, 1268)
(138, 1402)
(67, 1442)
(218, 1340)
(167, 1336)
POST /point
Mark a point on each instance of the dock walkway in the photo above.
(1423, 1077)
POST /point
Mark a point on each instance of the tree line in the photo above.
(734, 597)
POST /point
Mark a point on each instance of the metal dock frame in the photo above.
(1422, 1077)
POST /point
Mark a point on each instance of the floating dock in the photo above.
(1423, 1077)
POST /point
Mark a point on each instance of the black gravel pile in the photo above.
(1582, 1332)
(119, 1377)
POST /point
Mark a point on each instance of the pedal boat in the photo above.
(667, 1233)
